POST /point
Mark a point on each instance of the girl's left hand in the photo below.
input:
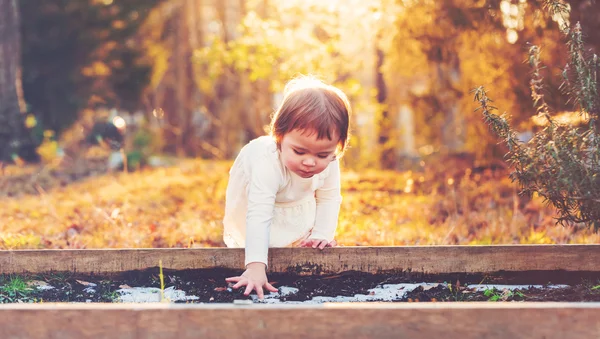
(318, 243)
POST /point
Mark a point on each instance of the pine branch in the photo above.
(536, 84)
(561, 163)
(585, 86)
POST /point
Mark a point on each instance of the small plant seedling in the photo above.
(457, 291)
(14, 289)
(492, 294)
(162, 283)
(495, 295)
(112, 296)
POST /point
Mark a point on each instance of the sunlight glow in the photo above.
(119, 122)
(158, 113)
(562, 19)
(563, 118)
(513, 18)
(512, 36)
(409, 184)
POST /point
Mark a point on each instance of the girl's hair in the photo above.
(311, 105)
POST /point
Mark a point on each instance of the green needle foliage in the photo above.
(561, 163)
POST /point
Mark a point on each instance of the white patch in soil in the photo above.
(388, 292)
(89, 290)
(152, 294)
(384, 293)
(40, 285)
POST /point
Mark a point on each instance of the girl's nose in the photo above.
(309, 162)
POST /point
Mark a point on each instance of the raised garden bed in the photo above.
(505, 288)
(209, 286)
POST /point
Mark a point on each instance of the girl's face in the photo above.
(305, 155)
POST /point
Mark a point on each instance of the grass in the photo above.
(13, 288)
(182, 206)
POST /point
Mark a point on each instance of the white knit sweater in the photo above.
(267, 205)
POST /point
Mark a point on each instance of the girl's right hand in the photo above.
(254, 278)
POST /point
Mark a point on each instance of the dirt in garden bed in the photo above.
(209, 286)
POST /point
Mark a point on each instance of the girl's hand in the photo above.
(254, 278)
(318, 243)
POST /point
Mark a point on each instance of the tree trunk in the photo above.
(405, 125)
(387, 158)
(260, 94)
(453, 131)
(183, 75)
(11, 126)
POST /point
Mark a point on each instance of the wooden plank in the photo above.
(423, 259)
(370, 320)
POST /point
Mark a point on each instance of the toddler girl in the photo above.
(284, 188)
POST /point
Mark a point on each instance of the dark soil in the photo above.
(210, 286)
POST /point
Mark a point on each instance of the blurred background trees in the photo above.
(202, 77)
(561, 162)
(12, 136)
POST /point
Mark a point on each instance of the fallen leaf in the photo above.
(428, 287)
(37, 283)
(85, 283)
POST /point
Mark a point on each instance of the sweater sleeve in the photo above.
(264, 182)
(328, 199)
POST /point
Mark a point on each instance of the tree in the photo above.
(170, 34)
(11, 120)
(442, 49)
(430, 64)
(561, 163)
(81, 54)
(275, 42)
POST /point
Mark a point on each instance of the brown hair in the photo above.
(309, 104)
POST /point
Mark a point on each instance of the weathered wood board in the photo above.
(343, 320)
(424, 259)
(372, 320)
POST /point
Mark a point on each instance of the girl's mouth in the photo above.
(306, 174)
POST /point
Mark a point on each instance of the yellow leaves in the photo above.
(18, 160)
(537, 237)
(48, 150)
(182, 206)
(102, 2)
(9, 241)
(118, 24)
(160, 62)
(30, 121)
(96, 69)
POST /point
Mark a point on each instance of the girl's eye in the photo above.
(323, 156)
(298, 152)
